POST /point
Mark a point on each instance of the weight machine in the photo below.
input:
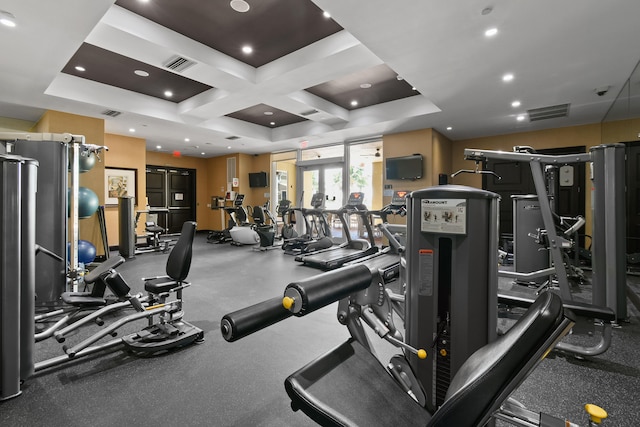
(452, 370)
(608, 209)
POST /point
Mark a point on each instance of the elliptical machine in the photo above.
(237, 216)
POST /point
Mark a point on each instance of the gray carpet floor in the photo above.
(217, 383)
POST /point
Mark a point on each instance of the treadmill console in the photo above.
(399, 198)
(356, 200)
(238, 200)
(284, 206)
(317, 200)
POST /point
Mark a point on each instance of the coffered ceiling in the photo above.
(202, 78)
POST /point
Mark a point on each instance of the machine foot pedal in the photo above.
(161, 338)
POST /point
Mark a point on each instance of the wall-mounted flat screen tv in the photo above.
(258, 179)
(407, 167)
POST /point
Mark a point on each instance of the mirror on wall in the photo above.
(622, 121)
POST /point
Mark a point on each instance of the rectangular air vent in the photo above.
(552, 112)
(111, 113)
(232, 138)
(178, 64)
(308, 113)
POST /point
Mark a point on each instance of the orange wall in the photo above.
(256, 196)
(129, 153)
(436, 152)
(621, 131)
(217, 186)
(289, 166)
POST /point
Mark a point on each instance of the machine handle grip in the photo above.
(310, 294)
(251, 319)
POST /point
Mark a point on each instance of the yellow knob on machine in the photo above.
(287, 302)
(596, 413)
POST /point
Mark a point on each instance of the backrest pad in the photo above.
(495, 370)
(179, 261)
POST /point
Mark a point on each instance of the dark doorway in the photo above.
(517, 179)
(173, 189)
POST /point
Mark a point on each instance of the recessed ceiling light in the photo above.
(202, 153)
(7, 19)
(158, 147)
(449, 128)
(268, 113)
(413, 88)
(187, 140)
(487, 10)
(239, 6)
(168, 93)
(354, 103)
(365, 85)
(507, 77)
(228, 147)
(326, 14)
(132, 130)
(272, 123)
(141, 73)
(515, 104)
(247, 49)
(491, 32)
(80, 68)
(520, 117)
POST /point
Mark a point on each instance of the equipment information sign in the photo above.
(444, 216)
(426, 272)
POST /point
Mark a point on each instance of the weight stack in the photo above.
(18, 177)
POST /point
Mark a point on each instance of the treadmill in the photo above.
(317, 235)
(387, 261)
(351, 249)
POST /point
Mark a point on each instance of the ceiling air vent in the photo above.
(551, 112)
(178, 63)
(232, 138)
(308, 113)
(111, 113)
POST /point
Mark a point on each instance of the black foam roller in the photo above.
(251, 319)
(326, 288)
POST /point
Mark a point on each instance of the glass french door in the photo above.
(326, 179)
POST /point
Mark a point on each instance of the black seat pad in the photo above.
(159, 285)
(350, 380)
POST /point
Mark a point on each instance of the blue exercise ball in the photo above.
(86, 251)
(87, 202)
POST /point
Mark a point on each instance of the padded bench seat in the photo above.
(159, 285)
(349, 386)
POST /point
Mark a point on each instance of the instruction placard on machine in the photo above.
(444, 216)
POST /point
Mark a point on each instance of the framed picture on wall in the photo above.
(119, 182)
